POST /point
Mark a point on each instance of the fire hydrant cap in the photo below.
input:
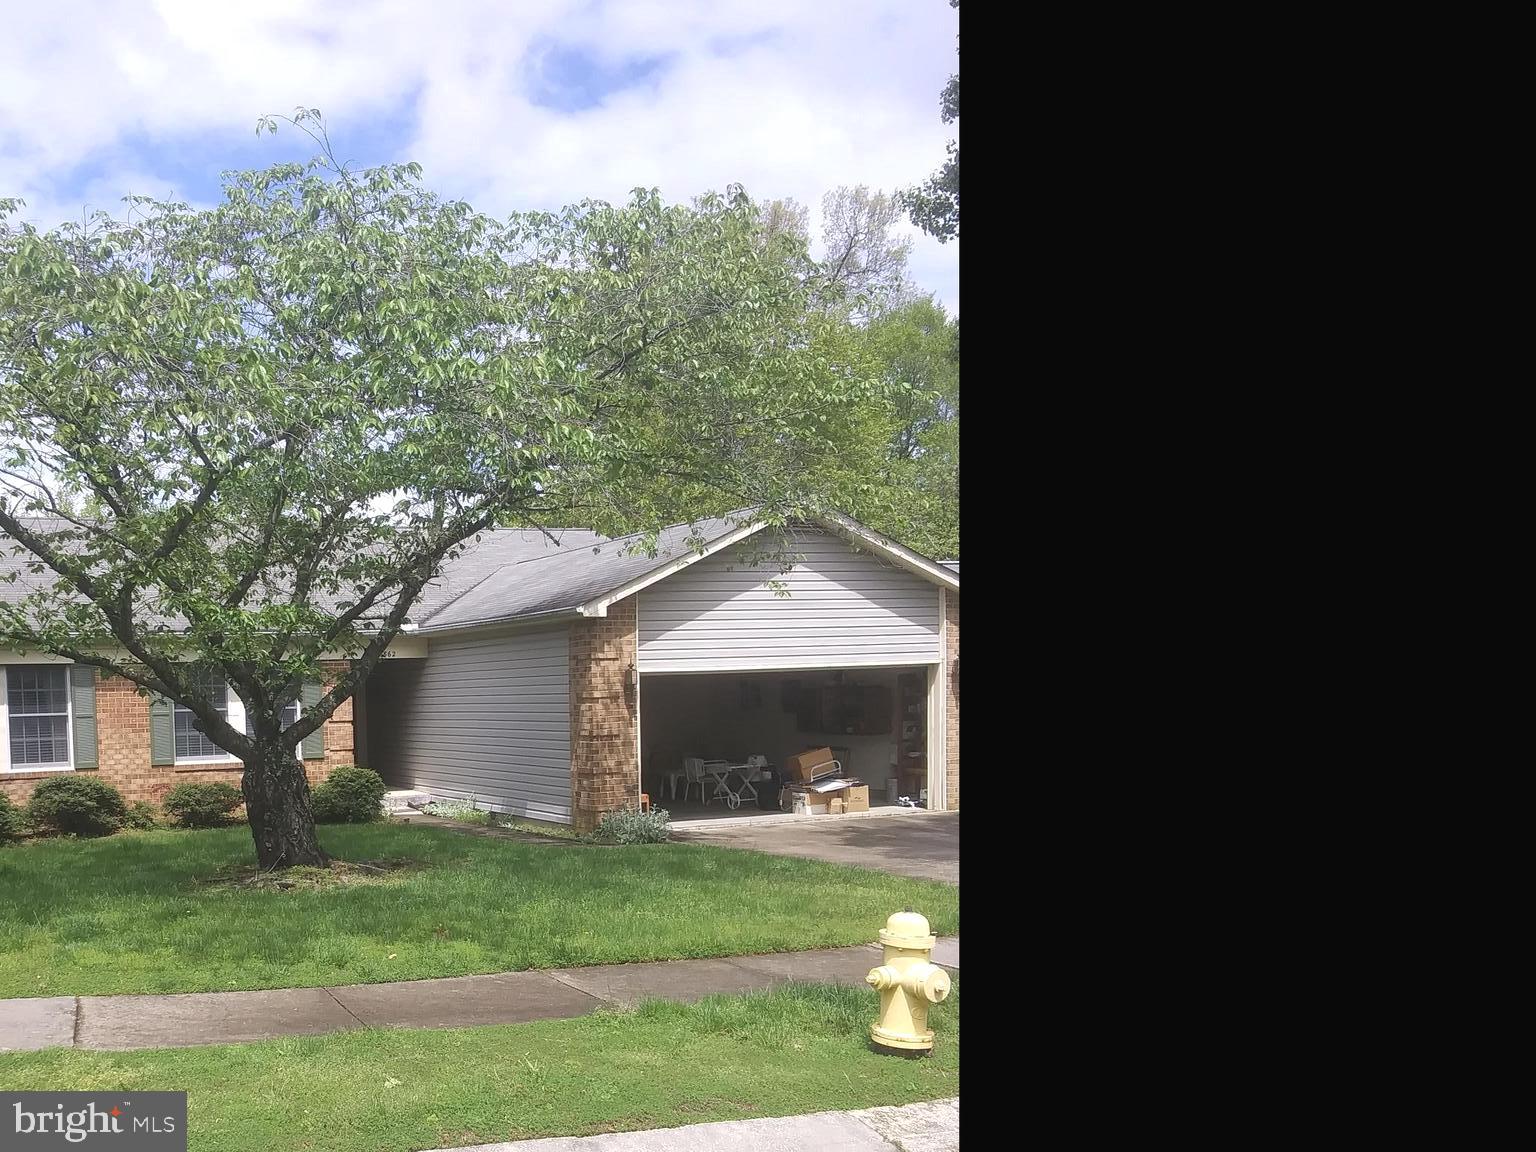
(907, 930)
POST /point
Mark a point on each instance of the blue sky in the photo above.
(511, 105)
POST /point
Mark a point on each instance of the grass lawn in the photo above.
(133, 912)
(796, 1049)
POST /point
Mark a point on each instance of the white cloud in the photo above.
(790, 99)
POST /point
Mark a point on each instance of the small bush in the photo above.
(82, 805)
(350, 795)
(631, 826)
(202, 805)
(12, 822)
(141, 817)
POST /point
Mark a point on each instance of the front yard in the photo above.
(795, 1049)
(136, 912)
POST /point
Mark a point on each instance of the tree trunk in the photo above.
(277, 806)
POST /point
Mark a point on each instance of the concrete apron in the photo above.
(121, 1023)
(762, 817)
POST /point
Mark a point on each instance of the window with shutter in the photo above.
(37, 717)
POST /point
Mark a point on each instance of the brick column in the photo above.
(340, 737)
(952, 700)
(605, 773)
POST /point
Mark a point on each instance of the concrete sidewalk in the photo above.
(119, 1023)
(933, 1126)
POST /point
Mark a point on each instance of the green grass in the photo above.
(796, 1049)
(131, 913)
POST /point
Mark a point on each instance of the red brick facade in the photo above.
(122, 735)
(952, 700)
(605, 769)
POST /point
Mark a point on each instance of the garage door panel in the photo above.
(842, 608)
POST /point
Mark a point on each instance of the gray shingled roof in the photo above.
(506, 574)
(534, 576)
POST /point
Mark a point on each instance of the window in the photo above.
(37, 708)
(192, 744)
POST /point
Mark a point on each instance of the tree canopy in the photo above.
(243, 438)
(934, 205)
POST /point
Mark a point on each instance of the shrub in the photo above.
(141, 817)
(12, 822)
(631, 826)
(350, 795)
(202, 805)
(82, 805)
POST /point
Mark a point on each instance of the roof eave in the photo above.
(550, 616)
(898, 554)
(599, 606)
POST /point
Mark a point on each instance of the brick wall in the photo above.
(604, 771)
(952, 700)
(122, 734)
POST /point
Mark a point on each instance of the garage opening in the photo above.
(875, 720)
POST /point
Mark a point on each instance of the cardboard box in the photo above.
(825, 797)
(800, 766)
(796, 799)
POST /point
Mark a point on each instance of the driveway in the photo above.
(909, 843)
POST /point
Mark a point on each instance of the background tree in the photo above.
(896, 464)
(864, 263)
(935, 205)
(288, 411)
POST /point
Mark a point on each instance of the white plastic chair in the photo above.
(693, 773)
(673, 777)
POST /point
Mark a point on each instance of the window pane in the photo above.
(38, 699)
(34, 690)
(190, 743)
(39, 740)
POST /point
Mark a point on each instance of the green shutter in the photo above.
(314, 743)
(82, 706)
(162, 731)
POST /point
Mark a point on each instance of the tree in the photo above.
(935, 205)
(862, 270)
(285, 413)
(906, 438)
(863, 263)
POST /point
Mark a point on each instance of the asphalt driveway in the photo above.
(907, 843)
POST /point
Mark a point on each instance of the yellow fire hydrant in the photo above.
(908, 983)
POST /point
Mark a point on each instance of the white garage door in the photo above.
(843, 609)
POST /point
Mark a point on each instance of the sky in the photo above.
(508, 104)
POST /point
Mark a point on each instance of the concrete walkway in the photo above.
(932, 1126)
(118, 1023)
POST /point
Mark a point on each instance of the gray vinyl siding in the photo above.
(484, 717)
(844, 609)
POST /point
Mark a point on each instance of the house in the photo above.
(560, 676)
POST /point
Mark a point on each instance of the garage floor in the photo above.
(906, 842)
